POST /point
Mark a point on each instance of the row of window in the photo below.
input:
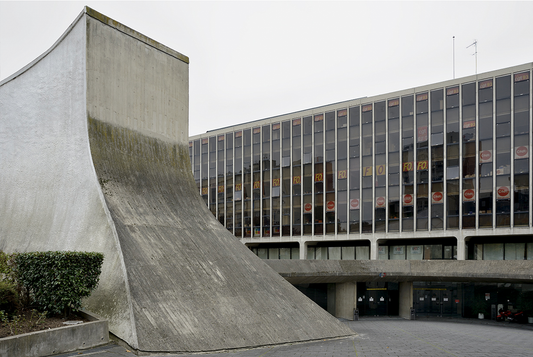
(481, 251)
(448, 158)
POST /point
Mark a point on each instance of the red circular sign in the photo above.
(408, 198)
(437, 196)
(469, 194)
(503, 191)
(354, 203)
(308, 207)
(380, 201)
(331, 205)
(485, 155)
(521, 151)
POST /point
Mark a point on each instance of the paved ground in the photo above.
(391, 337)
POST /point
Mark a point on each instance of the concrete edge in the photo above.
(233, 350)
(59, 340)
(135, 34)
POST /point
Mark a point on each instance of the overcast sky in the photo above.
(253, 60)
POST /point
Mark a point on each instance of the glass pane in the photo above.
(493, 251)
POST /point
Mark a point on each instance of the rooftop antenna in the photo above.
(475, 49)
(453, 57)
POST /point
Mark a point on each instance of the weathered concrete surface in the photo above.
(55, 341)
(94, 143)
(340, 271)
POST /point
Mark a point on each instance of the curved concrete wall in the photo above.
(50, 197)
(94, 149)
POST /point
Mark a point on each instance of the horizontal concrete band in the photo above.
(340, 271)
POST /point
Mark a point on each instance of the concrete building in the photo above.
(439, 173)
(94, 157)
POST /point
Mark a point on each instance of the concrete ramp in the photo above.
(94, 157)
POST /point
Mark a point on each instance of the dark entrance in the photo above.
(378, 299)
(437, 299)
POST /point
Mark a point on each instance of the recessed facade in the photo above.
(435, 172)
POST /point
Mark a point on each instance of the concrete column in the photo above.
(303, 250)
(406, 299)
(331, 298)
(346, 300)
(461, 248)
(374, 249)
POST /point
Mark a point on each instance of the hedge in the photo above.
(57, 281)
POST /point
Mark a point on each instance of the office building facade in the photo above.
(435, 172)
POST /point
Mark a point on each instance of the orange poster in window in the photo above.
(421, 165)
(275, 182)
(319, 177)
(204, 190)
(408, 166)
(296, 180)
(257, 184)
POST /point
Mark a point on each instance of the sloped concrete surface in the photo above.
(94, 157)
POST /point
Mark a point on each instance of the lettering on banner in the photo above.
(308, 207)
(452, 91)
(422, 165)
(238, 187)
(394, 102)
(380, 170)
(408, 166)
(296, 180)
(367, 108)
(220, 188)
(257, 184)
(485, 84)
(421, 97)
(342, 174)
(319, 177)
(367, 171)
(521, 77)
(330, 206)
(275, 182)
(204, 190)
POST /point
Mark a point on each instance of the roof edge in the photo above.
(135, 34)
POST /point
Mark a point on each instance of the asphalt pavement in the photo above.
(384, 336)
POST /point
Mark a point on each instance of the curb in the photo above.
(59, 340)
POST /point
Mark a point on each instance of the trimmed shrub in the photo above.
(9, 301)
(6, 273)
(57, 281)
